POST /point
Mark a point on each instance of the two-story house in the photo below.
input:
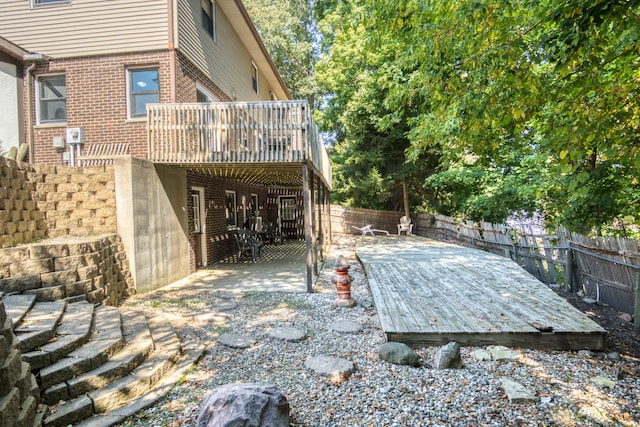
(184, 98)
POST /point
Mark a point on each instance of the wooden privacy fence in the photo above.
(606, 269)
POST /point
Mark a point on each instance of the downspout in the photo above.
(30, 109)
(172, 50)
(34, 58)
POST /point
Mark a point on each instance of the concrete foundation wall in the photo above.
(153, 221)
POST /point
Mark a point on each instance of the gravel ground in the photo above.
(379, 393)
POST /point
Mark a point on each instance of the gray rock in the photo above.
(585, 353)
(516, 392)
(448, 357)
(605, 382)
(614, 355)
(244, 405)
(236, 340)
(346, 327)
(399, 354)
(287, 334)
(589, 300)
(481, 354)
(499, 352)
(626, 317)
(333, 367)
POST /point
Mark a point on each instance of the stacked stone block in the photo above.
(19, 394)
(39, 201)
(95, 269)
(20, 219)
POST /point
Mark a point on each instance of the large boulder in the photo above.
(399, 354)
(448, 357)
(244, 405)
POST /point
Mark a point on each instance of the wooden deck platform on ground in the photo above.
(430, 293)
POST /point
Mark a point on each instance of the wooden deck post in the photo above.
(636, 306)
(568, 269)
(306, 197)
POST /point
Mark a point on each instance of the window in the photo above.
(230, 211)
(35, 3)
(288, 208)
(143, 87)
(254, 77)
(52, 99)
(203, 95)
(195, 206)
(209, 17)
(254, 204)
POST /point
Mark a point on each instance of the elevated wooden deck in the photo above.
(430, 293)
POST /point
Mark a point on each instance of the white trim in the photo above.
(203, 224)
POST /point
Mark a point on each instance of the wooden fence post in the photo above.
(636, 306)
(568, 269)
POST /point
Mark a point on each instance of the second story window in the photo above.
(51, 106)
(209, 17)
(35, 3)
(143, 87)
(254, 77)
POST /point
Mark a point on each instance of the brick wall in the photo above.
(39, 201)
(91, 268)
(97, 102)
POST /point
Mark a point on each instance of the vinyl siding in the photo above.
(86, 27)
(226, 60)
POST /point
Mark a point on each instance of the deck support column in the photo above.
(308, 229)
(314, 228)
(320, 204)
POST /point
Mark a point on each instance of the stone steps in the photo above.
(99, 364)
(38, 326)
(72, 332)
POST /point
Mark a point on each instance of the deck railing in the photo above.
(235, 132)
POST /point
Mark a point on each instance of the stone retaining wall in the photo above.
(19, 394)
(95, 269)
(39, 201)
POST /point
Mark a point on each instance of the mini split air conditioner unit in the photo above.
(75, 135)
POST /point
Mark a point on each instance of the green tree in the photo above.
(371, 169)
(542, 93)
(287, 28)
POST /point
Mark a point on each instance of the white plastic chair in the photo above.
(405, 225)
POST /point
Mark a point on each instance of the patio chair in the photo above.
(247, 245)
(272, 234)
(368, 230)
(405, 225)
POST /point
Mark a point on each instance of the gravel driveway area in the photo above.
(571, 388)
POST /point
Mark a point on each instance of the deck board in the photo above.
(430, 293)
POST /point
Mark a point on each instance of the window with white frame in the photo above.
(36, 3)
(143, 87)
(288, 208)
(51, 105)
(209, 17)
(231, 212)
(195, 206)
(203, 95)
(254, 77)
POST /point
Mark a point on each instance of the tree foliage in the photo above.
(527, 105)
(287, 28)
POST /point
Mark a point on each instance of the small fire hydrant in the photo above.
(343, 283)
